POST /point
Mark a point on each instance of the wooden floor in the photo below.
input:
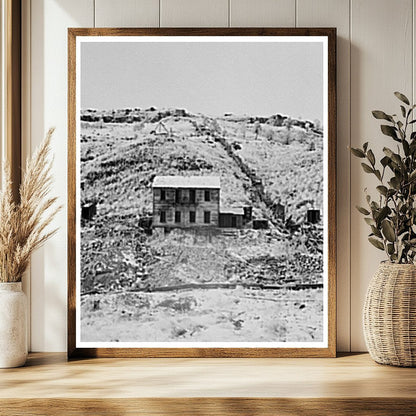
(350, 384)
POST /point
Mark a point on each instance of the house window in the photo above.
(177, 216)
(178, 196)
(207, 196)
(192, 216)
(192, 196)
(162, 195)
(162, 216)
(207, 217)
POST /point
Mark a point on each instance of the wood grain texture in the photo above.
(348, 385)
(126, 13)
(336, 13)
(204, 352)
(50, 375)
(381, 63)
(193, 13)
(71, 202)
(377, 406)
(262, 13)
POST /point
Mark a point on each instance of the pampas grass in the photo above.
(24, 225)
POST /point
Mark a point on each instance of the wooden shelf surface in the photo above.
(207, 386)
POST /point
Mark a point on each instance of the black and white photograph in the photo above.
(202, 191)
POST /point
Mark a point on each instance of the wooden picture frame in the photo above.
(329, 289)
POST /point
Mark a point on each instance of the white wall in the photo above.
(375, 58)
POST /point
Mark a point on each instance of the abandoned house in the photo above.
(186, 201)
(193, 201)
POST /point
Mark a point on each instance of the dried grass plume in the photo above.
(24, 225)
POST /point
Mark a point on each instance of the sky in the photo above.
(212, 78)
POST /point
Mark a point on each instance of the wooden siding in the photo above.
(185, 206)
(226, 221)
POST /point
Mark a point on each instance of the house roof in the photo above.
(232, 210)
(205, 182)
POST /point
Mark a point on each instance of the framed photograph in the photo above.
(201, 193)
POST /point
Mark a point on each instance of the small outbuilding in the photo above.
(88, 211)
(313, 216)
(260, 224)
(231, 217)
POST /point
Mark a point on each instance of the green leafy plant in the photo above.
(391, 216)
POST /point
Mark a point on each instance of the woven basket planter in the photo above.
(390, 315)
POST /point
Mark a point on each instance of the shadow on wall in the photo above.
(48, 282)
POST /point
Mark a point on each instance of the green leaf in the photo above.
(394, 183)
(357, 152)
(389, 131)
(382, 214)
(400, 125)
(376, 243)
(367, 168)
(388, 230)
(369, 221)
(365, 145)
(390, 248)
(363, 210)
(402, 97)
(376, 231)
(385, 161)
(378, 174)
(406, 147)
(382, 189)
(398, 175)
(381, 115)
(389, 153)
(393, 156)
(403, 111)
(374, 205)
(412, 176)
(370, 157)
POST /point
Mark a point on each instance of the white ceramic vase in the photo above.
(13, 325)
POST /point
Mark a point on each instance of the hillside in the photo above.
(228, 285)
(261, 162)
(122, 151)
